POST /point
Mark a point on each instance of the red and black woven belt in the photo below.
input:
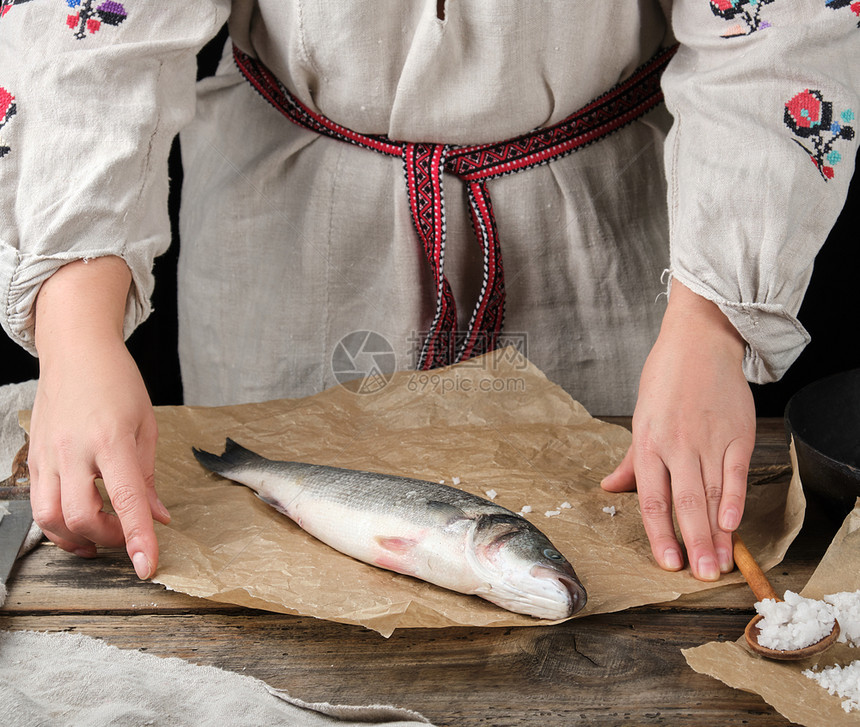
(425, 164)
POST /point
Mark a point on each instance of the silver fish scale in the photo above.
(371, 491)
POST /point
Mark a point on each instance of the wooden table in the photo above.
(613, 669)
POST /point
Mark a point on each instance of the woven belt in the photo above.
(425, 164)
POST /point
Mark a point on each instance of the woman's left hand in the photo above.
(693, 436)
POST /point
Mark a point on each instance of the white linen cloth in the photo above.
(76, 681)
(289, 241)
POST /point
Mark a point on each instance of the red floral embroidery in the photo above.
(6, 5)
(7, 111)
(747, 11)
(89, 17)
(809, 116)
(853, 5)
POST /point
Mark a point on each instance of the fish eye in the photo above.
(553, 554)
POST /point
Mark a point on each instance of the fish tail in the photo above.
(235, 457)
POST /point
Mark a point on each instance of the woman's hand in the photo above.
(693, 436)
(92, 418)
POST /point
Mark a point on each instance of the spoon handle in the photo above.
(756, 578)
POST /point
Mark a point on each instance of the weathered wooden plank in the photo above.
(49, 579)
(605, 670)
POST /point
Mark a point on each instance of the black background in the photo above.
(830, 312)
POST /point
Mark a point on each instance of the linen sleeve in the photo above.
(92, 93)
(764, 95)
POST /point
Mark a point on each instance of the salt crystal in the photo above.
(565, 506)
(609, 510)
(525, 509)
(843, 681)
(490, 493)
(846, 609)
(793, 623)
(552, 513)
(456, 480)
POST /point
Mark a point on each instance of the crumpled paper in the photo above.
(781, 684)
(494, 422)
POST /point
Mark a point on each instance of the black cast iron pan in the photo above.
(824, 420)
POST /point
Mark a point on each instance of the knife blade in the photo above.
(14, 527)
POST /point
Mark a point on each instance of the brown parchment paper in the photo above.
(494, 422)
(781, 684)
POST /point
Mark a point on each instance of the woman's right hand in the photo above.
(92, 418)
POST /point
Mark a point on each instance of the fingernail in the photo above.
(730, 519)
(725, 558)
(142, 566)
(672, 559)
(708, 570)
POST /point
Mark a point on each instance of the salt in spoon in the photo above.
(762, 589)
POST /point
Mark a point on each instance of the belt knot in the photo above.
(425, 164)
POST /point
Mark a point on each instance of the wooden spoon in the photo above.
(762, 589)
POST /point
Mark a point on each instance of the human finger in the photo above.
(735, 473)
(146, 446)
(728, 508)
(46, 506)
(83, 512)
(691, 508)
(125, 486)
(623, 477)
(712, 481)
(655, 504)
(69, 546)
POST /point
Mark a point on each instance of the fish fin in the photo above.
(395, 544)
(447, 512)
(272, 502)
(210, 461)
(234, 456)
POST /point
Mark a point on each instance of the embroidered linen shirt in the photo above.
(290, 242)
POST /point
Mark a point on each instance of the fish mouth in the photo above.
(577, 596)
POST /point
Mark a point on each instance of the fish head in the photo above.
(521, 569)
